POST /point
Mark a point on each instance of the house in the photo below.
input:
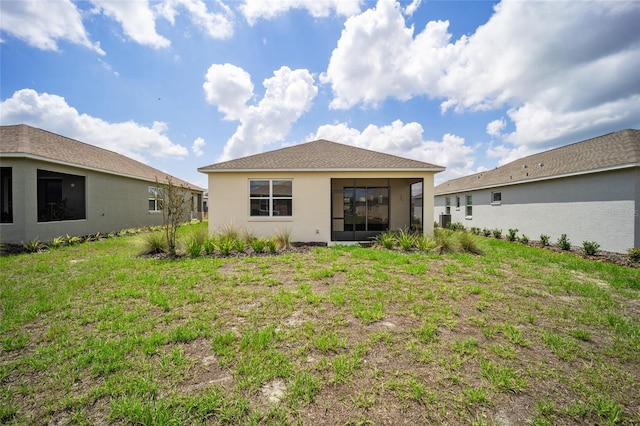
(589, 190)
(318, 191)
(51, 185)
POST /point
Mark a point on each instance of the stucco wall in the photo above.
(598, 207)
(112, 203)
(311, 220)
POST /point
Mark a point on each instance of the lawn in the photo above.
(95, 334)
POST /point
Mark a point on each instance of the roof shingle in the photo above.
(320, 155)
(612, 150)
(22, 139)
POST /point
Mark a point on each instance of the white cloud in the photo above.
(559, 67)
(496, 127)
(289, 94)
(229, 88)
(51, 112)
(42, 24)
(411, 8)
(137, 19)
(215, 25)
(256, 9)
(405, 140)
(197, 146)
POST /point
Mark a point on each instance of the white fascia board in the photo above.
(207, 170)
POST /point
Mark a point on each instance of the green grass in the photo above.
(92, 333)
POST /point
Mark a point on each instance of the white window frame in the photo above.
(495, 202)
(268, 202)
(447, 205)
(157, 199)
(457, 202)
(469, 207)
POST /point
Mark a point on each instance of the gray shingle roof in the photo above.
(613, 150)
(21, 139)
(320, 155)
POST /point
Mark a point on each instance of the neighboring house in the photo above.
(589, 190)
(51, 185)
(319, 191)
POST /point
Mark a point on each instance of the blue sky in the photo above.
(180, 84)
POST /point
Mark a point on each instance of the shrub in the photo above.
(511, 234)
(258, 245)
(240, 245)
(563, 242)
(283, 238)
(425, 244)
(590, 248)
(386, 240)
(456, 226)
(209, 246)
(475, 231)
(406, 239)
(34, 246)
(497, 233)
(446, 241)
(524, 239)
(544, 239)
(469, 243)
(229, 232)
(224, 245)
(634, 254)
(70, 241)
(57, 242)
(154, 243)
(486, 232)
(194, 248)
(272, 245)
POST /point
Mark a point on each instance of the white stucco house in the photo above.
(51, 185)
(589, 190)
(319, 191)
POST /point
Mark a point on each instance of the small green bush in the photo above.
(258, 245)
(425, 244)
(497, 233)
(406, 239)
(283, 238)
(154, 243)
(57, 242)
(209, 246)
(225, 245)
(386, 240)
(34, 246)
(634, 254)
(446, 241)
(563, 242)
(524, 239)
(544, 240)
(194, 248)
(475, 231)
(486, 232)
(456, 226)
(590, 248)
(511, 234)
(469, 243)
(272, 245)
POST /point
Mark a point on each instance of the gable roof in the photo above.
(25, 141)
(608, 152)
(320, 155)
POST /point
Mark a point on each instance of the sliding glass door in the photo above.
(360, 212)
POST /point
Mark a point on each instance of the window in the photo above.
(496, 197)
(457, 203)
(271, 197)
(60, 196)
(6, 195)
(469, 211)
(155, 199)
(447, 205)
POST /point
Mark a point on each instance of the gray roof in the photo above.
(320, 155)
(611, 151)
(23, 140)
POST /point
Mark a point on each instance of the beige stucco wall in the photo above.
(112, 203)
(311, 220)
